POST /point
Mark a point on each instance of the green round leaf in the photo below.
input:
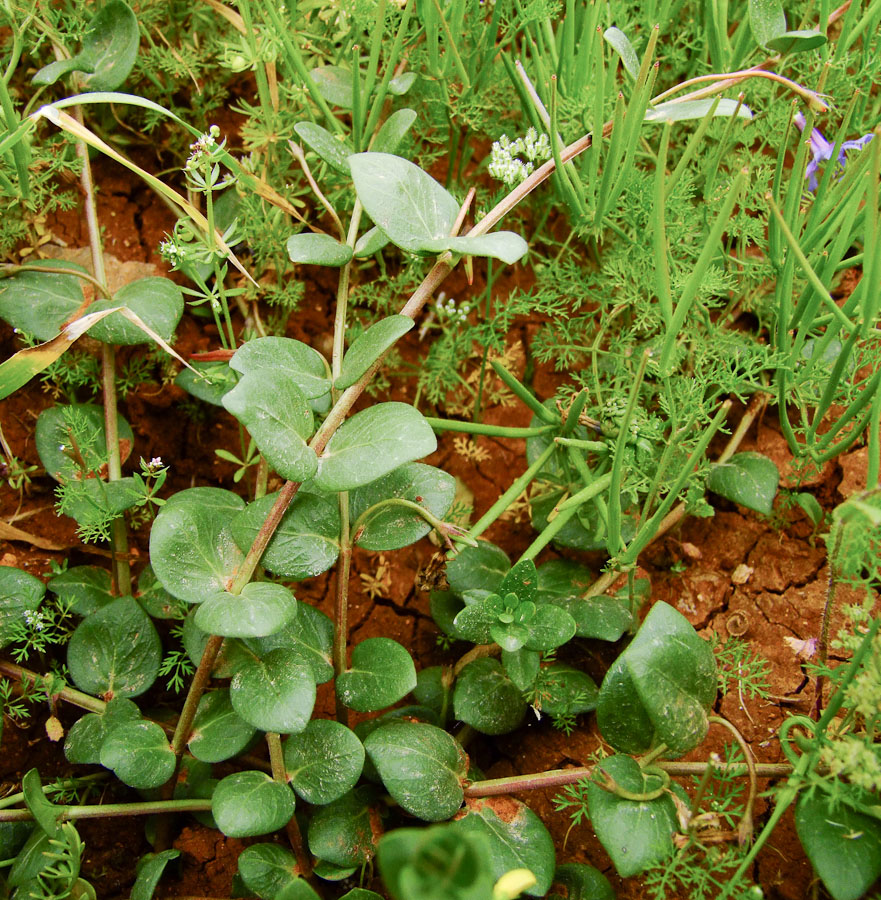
(382, 672)
(566, 691)
(749, 479)
(139, 754)
(191, 548)
(371, 242)
(310, 635)
(476, 622)
(218, 733)
(515, 837)
(85, 737)
(305, 544)
(275, 693)
(369, 346)
(85, 588)
(158, 302)
(481, 568)
(266, 869)
(766, 20)
(549, 628)
(637, 834)
(434, 690)
(53, 432)
(332, 151)
(504, 245)
(317, 250)
(661, 687)
(274, 410)
(372, 443)
(260, 610)
(392, 527)
(602, 618)
(115, 652)
(150, 869)
(232, 654)
(843, 845)
(110, 48)
(334, 84)
(155, 600)
(19, 593)
(486, 699)
(413, 209)
(438, 863)
(521, 666)
(305, 367)
(445, 606)
(393, 131)
(421, 766)
(344, 832)
(217, 378)
(579, 881)
(797, 41)
(39, 303)
(324, 761)
(250, 803)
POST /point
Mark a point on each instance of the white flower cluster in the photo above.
(512, 162)
(35, 620)
(447, 308)
(171, 252)
(203, 146)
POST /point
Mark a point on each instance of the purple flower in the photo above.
(821, 150)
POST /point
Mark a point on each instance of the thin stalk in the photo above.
(341, 605)
(69, 694)
(659, 232)
(745, 828)
(112, 810)
(585, 494)
(197, 687)
(9, 269)
(559, 777)
(121, 569)
(280, 775)
(12, 799)
(20, 151)
(489, 430)
(614, 541)
(810, 274)
(691, 287)
(510, 495)
(295, 59)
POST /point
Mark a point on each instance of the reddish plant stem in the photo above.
(559, 777)
(292, 828)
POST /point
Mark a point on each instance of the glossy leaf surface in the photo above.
(115, 651)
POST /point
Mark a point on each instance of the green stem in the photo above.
(111, 810)
(510, 495)
(12, 799)
(9, 269)
(341, 606)
(624, 435)
(119, 538)
(489, 430)
(20, 152)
